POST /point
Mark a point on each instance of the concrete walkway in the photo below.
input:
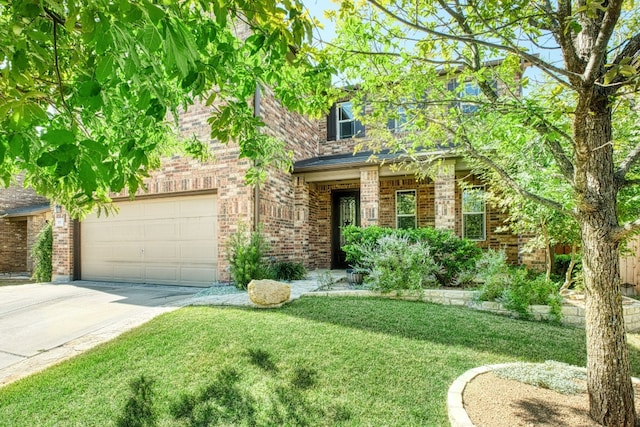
(44, 324)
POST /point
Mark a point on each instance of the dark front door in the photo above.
(346, 211)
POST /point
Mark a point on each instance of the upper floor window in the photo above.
(398, 123)
(406, 209)
(470, 91)
(474, 213)
(342, 123)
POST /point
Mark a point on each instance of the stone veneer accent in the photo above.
(369, 195)
(445, 200)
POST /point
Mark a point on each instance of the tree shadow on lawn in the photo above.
(453, 326)
(226, 402)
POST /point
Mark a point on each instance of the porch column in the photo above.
(62, 257)
(445, 196)
(302, 223)
(369, 195)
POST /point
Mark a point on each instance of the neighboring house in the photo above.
(22, 216)
(176, 232)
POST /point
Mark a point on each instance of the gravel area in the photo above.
(491, 401)
(221, 289)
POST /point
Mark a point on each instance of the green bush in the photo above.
(42, 252)
(451, 253)
(396, 264)
(515, 287)
(286, 270)
(493, 272)
(246, 257)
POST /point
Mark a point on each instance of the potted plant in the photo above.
(355, 275)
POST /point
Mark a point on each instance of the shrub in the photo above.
(492, 270)
(515, 287)
(245, 254)
(450, 252)
(286, 270)
(41, 252)
(399, 264)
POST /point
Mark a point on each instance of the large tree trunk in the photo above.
(611, 401)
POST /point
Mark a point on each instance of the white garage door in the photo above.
(163, 241)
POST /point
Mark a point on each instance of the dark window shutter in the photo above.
(358, 126)
(332, 123)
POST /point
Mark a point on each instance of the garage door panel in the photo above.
(197, 275)
(200, 252)
(164, 241)
(197, 230)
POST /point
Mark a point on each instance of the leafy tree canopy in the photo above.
(87, 86)
(451, 71)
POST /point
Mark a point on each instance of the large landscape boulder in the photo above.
(268, 293)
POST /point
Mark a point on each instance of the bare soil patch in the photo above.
(491, 401)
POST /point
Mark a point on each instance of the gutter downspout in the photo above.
(257, 98)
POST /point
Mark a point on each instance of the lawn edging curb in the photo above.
(458, 416)
(455, 405)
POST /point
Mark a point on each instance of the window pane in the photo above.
(406, 222)
(347, 129)
(345, 111)
(406, 203)
(473, 200)
(474, 226)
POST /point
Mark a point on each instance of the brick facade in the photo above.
(18, 231)
(294, 211)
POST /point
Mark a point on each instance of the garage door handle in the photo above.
(142, 251)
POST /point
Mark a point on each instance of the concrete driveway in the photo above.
(42, 324)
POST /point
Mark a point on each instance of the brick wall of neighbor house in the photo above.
(13, 245)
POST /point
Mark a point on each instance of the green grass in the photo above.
(14, 282)
(317, 361)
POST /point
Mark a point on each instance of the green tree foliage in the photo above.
(86, 86)
(41, 253)
(451, 72)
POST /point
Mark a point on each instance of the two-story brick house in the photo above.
(176, 232)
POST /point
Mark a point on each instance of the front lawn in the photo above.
(317, 361)
(14, 281)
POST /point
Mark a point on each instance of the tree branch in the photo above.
(545, 66)
(473, 152)
(564, 37)
(599, 50)
(626, 164)
(57, 68)
(626, 230)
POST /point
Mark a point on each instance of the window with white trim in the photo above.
(474, 213)
(406, 209)
(348, 126)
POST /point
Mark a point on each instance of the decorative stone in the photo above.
(268, 293)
